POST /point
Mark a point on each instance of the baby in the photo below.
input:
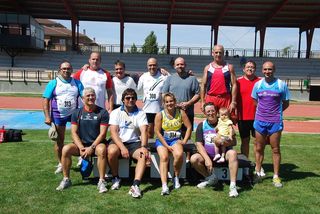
(225, 132)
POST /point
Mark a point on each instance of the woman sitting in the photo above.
(168, 124)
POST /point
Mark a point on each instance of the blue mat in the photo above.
(19, 119)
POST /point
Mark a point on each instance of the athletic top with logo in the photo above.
(245, 104)
(99, 80)
(205, 134)
(119, 85)
(89, 123)
(270, 97)
(218, 80)
(171, 127)
(152, 87)
(129, 123)
(63, 96)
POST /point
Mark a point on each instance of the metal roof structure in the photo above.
(302, 14)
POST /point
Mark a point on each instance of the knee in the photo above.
(101, 151)
(164, 158)
(113, 151)
(66, 151)
(276, 150)
(232, 156)
(195, 159)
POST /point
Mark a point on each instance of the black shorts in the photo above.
(132, 147)
(184, 129)
(150, 117)
(245, 127)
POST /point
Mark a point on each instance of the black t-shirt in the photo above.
(89, 123)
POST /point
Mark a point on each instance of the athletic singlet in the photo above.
(171, 127)
(209, 133)
(65, 97)
(218, 80)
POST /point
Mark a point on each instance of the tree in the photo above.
(133, 49)
(150, 45)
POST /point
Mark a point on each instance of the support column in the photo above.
(121, 36)
(211, 39)
(299, 46)
(78, 35)
(262, 36)
(255, 43)
(216, 30)
(73, 37)
(309, 36)
(168, 38)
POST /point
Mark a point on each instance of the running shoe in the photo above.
(277, 182)
(116, 183)
(64, 184)
(135, 191)
(59, 169)
(102, 186)
(176, 183)
(165, 191)
(233, 193)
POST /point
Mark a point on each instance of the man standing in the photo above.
(128, 128)
(185, 88)
(152, 83)
(121, 81)
(60, 100)
(246, 107)
(202, 161)
(272, 98)
(97, 78)
(219, 82)
(89, 128)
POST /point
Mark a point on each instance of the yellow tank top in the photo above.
(173, 124)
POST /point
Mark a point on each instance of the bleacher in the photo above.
(49, 60)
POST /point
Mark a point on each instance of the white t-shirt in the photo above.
(97, 80)
(129, 124)
(119, 85)
(152, 87)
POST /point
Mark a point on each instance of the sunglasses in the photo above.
(130, 98)
(267, 69)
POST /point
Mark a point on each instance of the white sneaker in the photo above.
(176, 183)
(115, 183)
(102, 186)
(64, 184)
(59, 169)
(233, 193)
(165, 191)
(203, 184)
(79, 161)
(135, 191)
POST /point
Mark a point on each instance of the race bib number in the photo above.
(152, 96)
(172, 134)
(66, 104)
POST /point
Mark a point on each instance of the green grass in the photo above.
(27, 185)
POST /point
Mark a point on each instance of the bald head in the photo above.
(152, 66)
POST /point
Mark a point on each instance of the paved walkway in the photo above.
(305, 109)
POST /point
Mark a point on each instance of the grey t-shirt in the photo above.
(183, 88)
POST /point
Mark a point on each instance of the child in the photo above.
(225, 132)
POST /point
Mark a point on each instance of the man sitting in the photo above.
(128, 128)
(89, 126)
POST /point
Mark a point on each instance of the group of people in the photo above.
(168, 113)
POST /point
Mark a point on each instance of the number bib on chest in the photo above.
(152, 96)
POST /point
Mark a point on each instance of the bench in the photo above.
(222, 171)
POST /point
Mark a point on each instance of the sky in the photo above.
(194, 36)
